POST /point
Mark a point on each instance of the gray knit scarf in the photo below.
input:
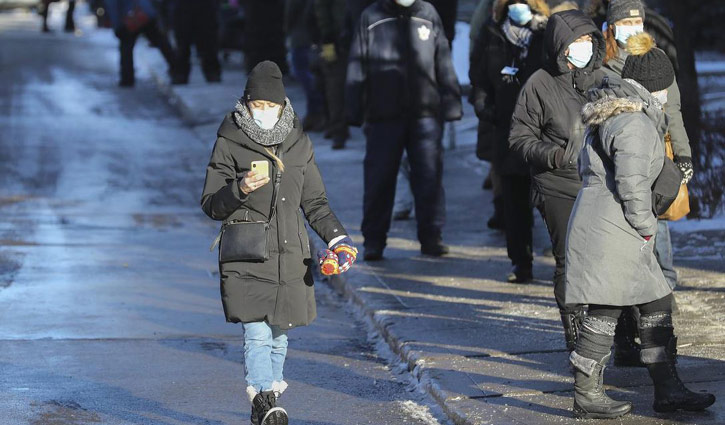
(518, 36)
(273, 136)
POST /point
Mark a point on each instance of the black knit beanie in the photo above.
(623, 9)
(646, 64)
(265, 83)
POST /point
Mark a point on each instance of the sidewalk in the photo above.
(488, 352)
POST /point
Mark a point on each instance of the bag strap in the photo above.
(275, 190)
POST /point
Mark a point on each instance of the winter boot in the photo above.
(626, 349)
(572, 322)
(590, 400)
(659, 353)
(265, 410)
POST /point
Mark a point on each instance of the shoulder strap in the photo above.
(275, 189)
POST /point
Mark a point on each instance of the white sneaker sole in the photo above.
(279, 416)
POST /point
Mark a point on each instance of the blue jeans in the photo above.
(301, 71)
(663, 252)
(265, 348)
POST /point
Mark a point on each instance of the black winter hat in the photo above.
(646, 64)
(623, 9)
(265, 83)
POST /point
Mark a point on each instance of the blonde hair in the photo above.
(279, 162)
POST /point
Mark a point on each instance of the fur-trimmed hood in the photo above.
(617, 96)
(538, 7)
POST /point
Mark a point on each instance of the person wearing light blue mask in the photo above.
(580, 52)
(520, 13)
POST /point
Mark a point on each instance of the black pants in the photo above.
(519, 218)
(663, 304)
(195, 23)
(128, 41)
(421, 139)
(334, 81)
(556, 212)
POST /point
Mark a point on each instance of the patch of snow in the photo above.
(687, 226)
(418, 412)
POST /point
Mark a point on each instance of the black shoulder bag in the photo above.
(247, 240)
(665, 187)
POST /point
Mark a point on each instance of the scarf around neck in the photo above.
(518, 36)
(273, 136)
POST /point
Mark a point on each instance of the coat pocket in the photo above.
(304, 238)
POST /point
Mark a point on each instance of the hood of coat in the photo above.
(563, 29)
(619, 97)
(538, 7)
(230, 130)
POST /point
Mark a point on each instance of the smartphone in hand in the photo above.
(261, 168)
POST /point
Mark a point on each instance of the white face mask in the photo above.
(580, 53)
(266, 118)
(661, 96)
(520, 13)
(405, 3)
(623, 32)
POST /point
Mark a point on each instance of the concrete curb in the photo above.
(340, 284)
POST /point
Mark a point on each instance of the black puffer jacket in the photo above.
(547, 118)
(494, 94)
(279, 290)
(400, 66)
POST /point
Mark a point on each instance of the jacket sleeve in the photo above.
(221, 196)
(627, 142)
(356, 76)
(481, 96)
(676, 125)
(446, 76)
(315, 205)
(526, 128)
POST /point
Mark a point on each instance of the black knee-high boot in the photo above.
(592, 353)
(626, 349)
(572, 322)
(659, 353)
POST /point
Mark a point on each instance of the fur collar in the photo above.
(595, 113)
(271, 137)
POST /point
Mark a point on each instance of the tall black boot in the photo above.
(589, 359)
(626, 349)
(572, 322)
(659, 353)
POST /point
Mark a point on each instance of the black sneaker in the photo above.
(520, 274)
(435, 249)
(266, 412)
(373, 253)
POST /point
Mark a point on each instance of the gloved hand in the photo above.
(685, 165)
(346, 253)
(559, 157)
(647, 238)
(328, 262)
(328, 52)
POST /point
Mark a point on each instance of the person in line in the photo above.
(509, 50)
(269, 297)
(264, 37)
(610, 259)
(131, 18)
(625, 18)
(547, 132)
(44, 9)
(330, 16)
(401, 83)
(196, 23)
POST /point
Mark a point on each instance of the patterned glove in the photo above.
(329, 262)
(685, 165)
(346, 254)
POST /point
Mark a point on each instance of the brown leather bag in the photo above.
(681, 206)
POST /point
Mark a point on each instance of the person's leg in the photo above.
(659, 353)
(425, 155)
(556, 217)
(334, 91)
(126, 42)
(207, 40)
(626, 348)
(663, 252)
(589, 360)
(184, 36)
(519, 221)
(159, 39)
(315, 116)
(44, 5)
(383, 151)
(403, 192)
(70, 24)
(258, 356)
(278, 355)
(497, 219)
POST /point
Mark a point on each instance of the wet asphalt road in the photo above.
(109, 301)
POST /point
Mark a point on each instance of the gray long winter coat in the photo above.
(608, 261)
(279, 290)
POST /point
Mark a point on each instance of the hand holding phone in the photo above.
(256, 178)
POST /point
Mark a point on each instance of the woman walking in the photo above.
(274, 293)
(547, 132)
(610, 262)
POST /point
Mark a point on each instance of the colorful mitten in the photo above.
(346, 254)
(328, 262)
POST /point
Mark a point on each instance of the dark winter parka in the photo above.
(279, 290)
(494, 94)
(547, 116)
(608, 259)
(400, 66)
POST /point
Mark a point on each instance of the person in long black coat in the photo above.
(196, 23)
(547, 132)
(269, 297)
(402, 84)
(499, 70)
